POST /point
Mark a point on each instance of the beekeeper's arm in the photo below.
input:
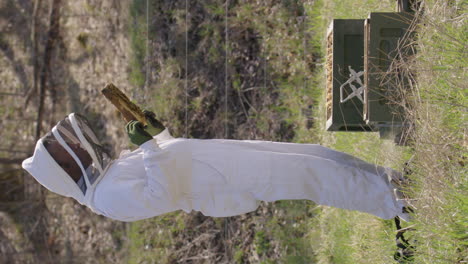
(154, 126)
(133, 198)
(136, 133)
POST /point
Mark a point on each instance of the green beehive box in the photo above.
(345, 47)
(385, 39)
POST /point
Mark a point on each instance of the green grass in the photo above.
(288, 228)
(438, 145)
(168, 95)
(351, 237)
(153, 239)
(137, 27)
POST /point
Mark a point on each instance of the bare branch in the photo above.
(52, 35)
(13, 161)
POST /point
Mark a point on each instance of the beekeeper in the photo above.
(217, 177)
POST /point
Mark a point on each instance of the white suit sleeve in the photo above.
(139, 188)
(168, 174)
(157, 179)
(130, 201)
(163, 136)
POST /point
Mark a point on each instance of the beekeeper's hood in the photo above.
(69, 160)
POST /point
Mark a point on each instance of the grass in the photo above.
(137, 41)
(352, 237)
(153, 239)
(438, 145)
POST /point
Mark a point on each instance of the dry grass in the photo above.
(358, 239)
(433, 93)
(439, 142)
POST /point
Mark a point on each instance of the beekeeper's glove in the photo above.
(153, 126)
(137, 133)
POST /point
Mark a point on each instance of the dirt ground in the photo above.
(90, 50)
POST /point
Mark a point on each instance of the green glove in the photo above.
(154, 127)
(137, 133)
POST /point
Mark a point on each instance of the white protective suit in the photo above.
(223, 178)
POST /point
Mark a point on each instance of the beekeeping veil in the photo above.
(69, 160)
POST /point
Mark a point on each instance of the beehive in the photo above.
(386, 37)
(345, 47)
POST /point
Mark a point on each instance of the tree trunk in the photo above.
(52, 35)
(34, 39)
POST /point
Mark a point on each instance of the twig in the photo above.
(54, 23)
